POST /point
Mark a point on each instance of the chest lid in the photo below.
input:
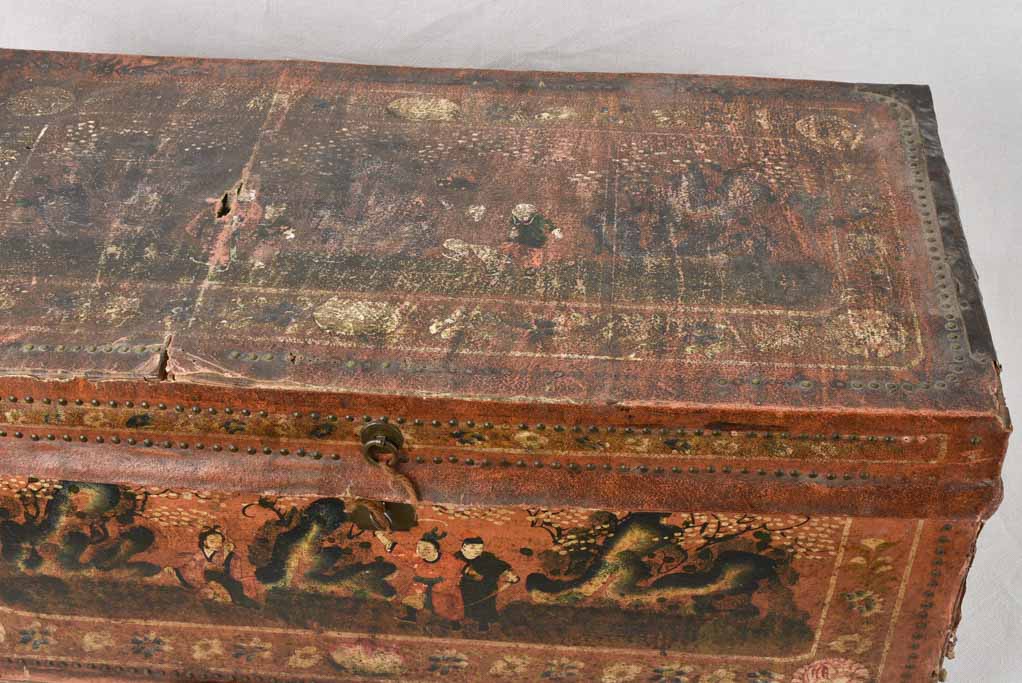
(665, 274)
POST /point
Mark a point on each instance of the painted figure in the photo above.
(481, 577)
(434, 586)
(216, 569)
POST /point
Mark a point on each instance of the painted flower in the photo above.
(37, 636)
(832, 671)
(854, 643)
(719, 676)
(250, 649)
(674, 673)
(530, 440)
(95, 641)
(563, 669)
(149, 645)
(363, 661)
(304, 658)
(207, 648)
(764, 676)
(865, 602)
(829, 130)
(510, 666)
(447, 661)
(621, 673)
(872, 543)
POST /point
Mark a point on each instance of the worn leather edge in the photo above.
(903, 490)
(919, 98)
(951, 631)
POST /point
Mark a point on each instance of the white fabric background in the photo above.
(966, 51)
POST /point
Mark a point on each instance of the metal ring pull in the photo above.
(373, 449)
(381, 446)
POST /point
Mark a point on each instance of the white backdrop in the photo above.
(966, 51)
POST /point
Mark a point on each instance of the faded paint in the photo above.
(42, 100)
(423, 108)
(358, 318)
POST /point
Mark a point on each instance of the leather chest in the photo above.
(316, 372)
